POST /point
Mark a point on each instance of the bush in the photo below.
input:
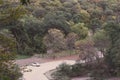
(9, 72)
(65, 71)
(78, 70)
(60, 76)
(99, 71)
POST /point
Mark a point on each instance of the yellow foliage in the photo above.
(85, 13)
(114, 17)
(1, 1)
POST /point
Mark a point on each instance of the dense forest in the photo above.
(44, 26)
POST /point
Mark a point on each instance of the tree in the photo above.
(85, 49)
(80, 30)
(10, 19)
(113, 53)
(8, 69)
(101, 41)
(81, 17)
(95, 20)
(103, 4)
(54, 40)
(10, 16)
(53, 20)
(39, 12)
(27, 34)
(71, 38)
(25, 2)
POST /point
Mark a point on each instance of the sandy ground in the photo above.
(38, 72)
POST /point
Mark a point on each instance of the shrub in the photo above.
(65, 71)
(99, 71)
(78, 70)
(60, 76)
(62, 72)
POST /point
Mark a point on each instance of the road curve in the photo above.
(38, 72)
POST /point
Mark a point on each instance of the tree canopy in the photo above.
(86, 26)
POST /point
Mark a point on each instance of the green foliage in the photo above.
(25, 2)
(112, 55)
(81, 17)
(33, 31)
(94, 24)
(67, 16)
(101, 41)
(18, 57)
(47, 14)
(10, 16)
(85, 49)
(1, 2)
(80, 29)
(39, 45)
(78, 70)
(71, 38)
(62, 72)
(8, 69)
(7, 45)
(65, 71)
(55, 40)
(52, 20)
